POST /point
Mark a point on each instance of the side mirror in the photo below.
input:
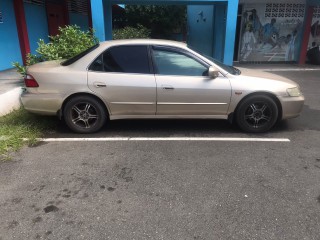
(213, 72)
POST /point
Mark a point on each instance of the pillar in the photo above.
(231, 25)
(101, 12)
(306, 33)
(22, 29)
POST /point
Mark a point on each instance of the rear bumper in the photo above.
(291, 106)
(44, 104)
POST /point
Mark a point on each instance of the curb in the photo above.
(10, 101)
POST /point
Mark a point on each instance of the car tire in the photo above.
(257, 114)
(84, 114)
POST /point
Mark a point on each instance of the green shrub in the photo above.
(131, 32)
(30, 60)
(69, 42)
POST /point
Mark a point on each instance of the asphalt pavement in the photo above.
(181, 189)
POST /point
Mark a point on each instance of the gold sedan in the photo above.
(155, 79)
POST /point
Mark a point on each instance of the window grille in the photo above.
(35, 2)
(316, 12)
(284, 10)
(78, 6)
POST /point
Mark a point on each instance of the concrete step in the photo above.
(11, 84)
(10, 101)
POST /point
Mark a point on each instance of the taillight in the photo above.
(30, 81)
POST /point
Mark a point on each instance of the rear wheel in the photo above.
(84, 114)
(257, 114)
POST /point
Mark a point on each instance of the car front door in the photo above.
(122, 76)
(184, 87)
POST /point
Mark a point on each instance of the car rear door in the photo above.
(122, 76)
(184, 87)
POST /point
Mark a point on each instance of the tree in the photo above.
(69, 42)
(162, 20)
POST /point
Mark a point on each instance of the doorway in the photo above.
(57, 16)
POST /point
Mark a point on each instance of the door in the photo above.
(183, 85)
(56, 17)
(122, 76)
(200, 20)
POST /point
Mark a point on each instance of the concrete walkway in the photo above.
(10, 90)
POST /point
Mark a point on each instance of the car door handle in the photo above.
(99, 84)
(167, 87)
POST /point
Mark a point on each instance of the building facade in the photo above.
(228, 30)
(24, 22)
(279, 31)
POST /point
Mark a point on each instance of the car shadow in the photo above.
(308, 120)
(164, 128)
(152, 128)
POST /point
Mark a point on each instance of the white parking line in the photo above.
(115, 139)
(290, 69)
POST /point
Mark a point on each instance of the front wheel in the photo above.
(257, 114)
(84, 114)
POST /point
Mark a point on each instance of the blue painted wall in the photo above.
(37, 25)
(219, 33)
(9, 42)
(207, 28)
(200, 28)
(79, 20)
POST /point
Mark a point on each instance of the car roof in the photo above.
(142, 41)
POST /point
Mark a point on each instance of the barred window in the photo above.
(284, 10)
(78, 6)
(316, 12)
(35, 2)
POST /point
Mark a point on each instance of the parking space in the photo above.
(169, 179)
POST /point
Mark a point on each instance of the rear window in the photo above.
(80, 55)
(123, 59)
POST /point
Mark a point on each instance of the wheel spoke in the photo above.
(263, 108)
(256, 123)
(86, 109)
(75, 108)
(76, 120)
(249, 116)
(91, 116)
(253, 107)
(86, 122)
(267, 118)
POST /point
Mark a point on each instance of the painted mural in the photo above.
(314, 39)
(271, 32)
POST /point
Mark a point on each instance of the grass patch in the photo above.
(18, 125)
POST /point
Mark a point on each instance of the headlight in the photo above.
(294, 92)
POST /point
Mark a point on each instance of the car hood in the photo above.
(264, 75)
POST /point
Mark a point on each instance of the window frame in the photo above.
(178, 51)
(101, 55)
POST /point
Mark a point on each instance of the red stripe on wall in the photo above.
(22, 29)
(305, 40)
(89, 14)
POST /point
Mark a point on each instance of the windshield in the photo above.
(80, 55)
(230, 69)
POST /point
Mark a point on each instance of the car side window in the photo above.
(169, 62)
(123, 59)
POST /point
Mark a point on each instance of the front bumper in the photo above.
(291, 106)
(44, 104)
